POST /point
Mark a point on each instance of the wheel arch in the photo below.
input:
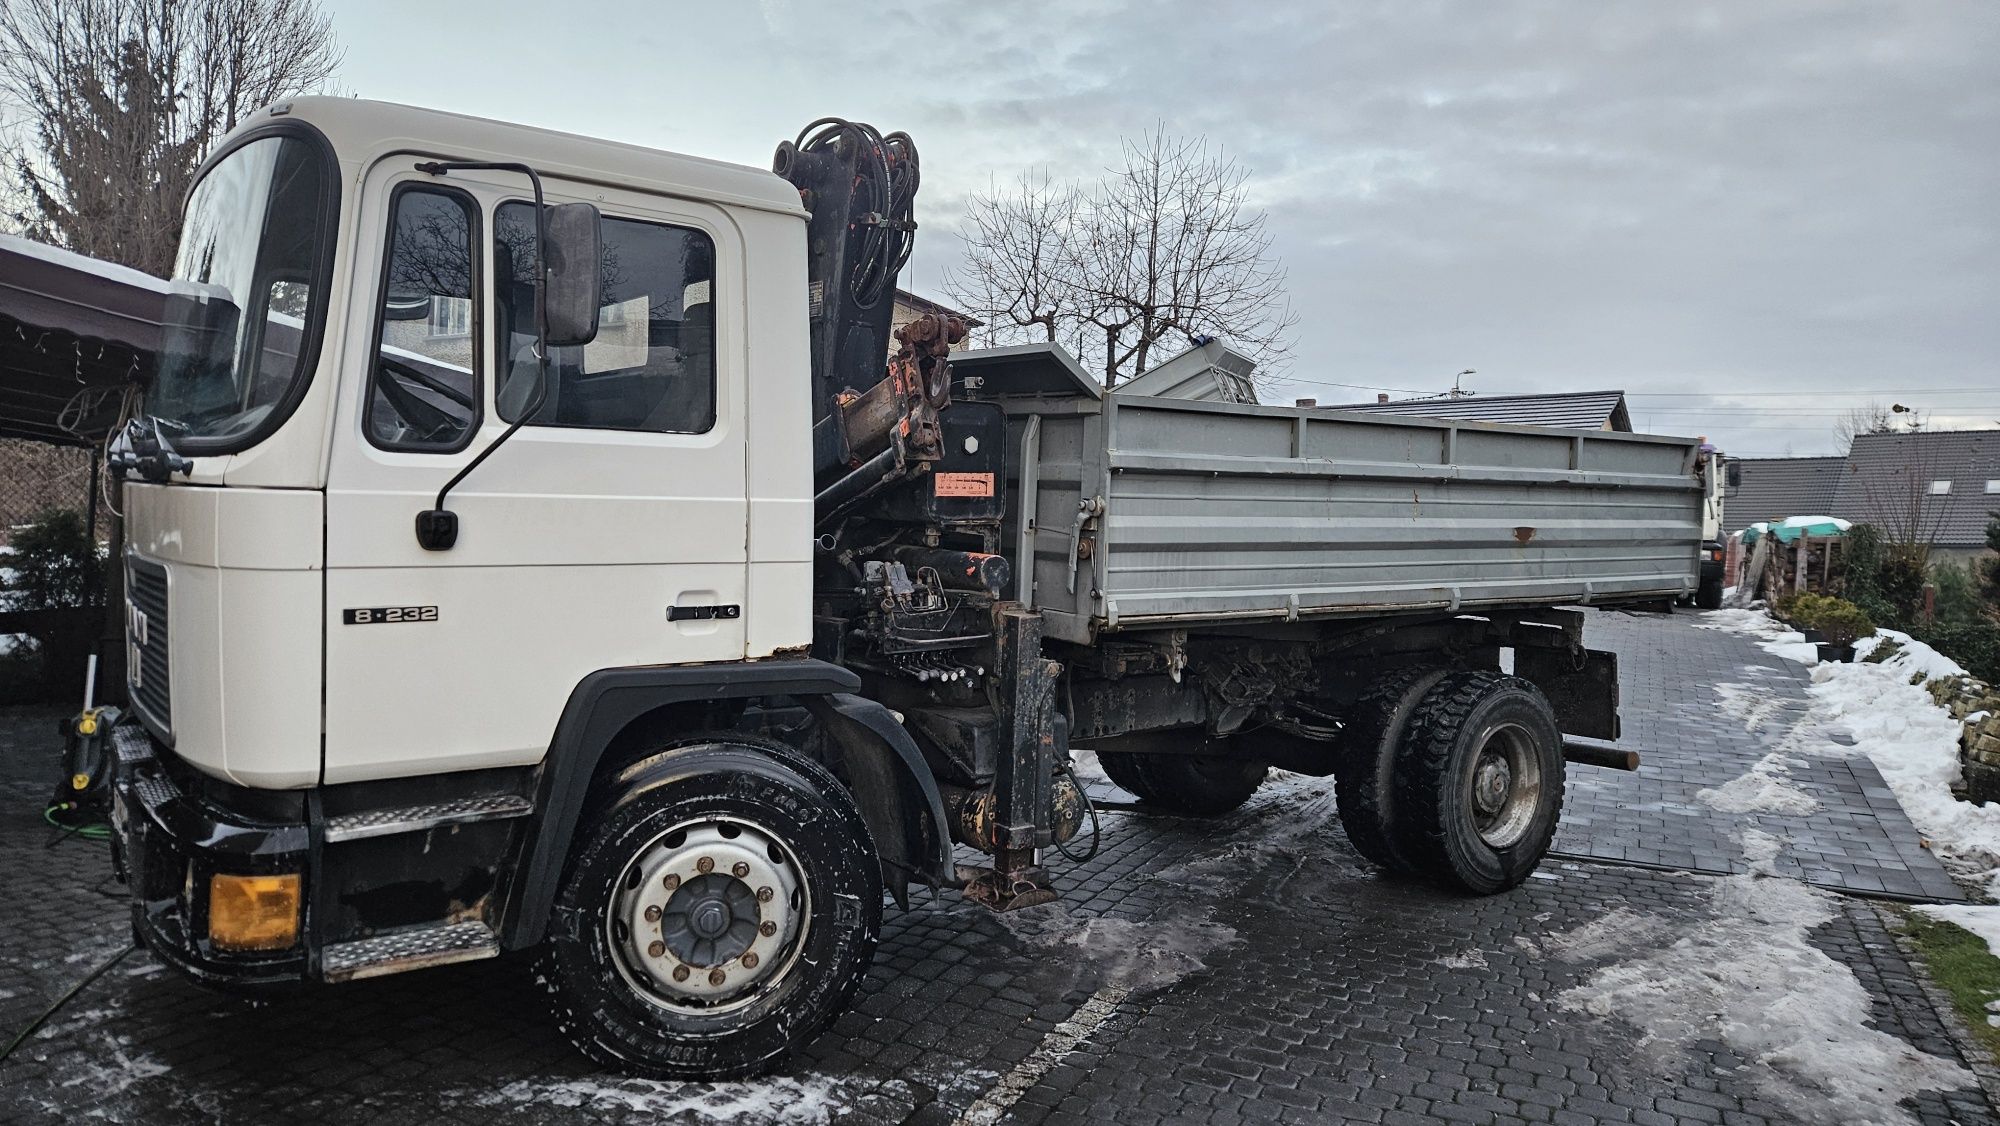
(611, 707)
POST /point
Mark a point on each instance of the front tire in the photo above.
(1479, 781)
(1708, 596)
(721, 911)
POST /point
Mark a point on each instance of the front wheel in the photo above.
(720, 912)
(1479, 781)
(1708, 596)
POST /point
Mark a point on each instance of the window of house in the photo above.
(652, 365)
(450, 317)
(1992, 487)
(424, 392)
(1940, 488)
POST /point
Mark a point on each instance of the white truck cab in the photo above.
(377, 324)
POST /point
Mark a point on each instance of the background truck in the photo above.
(526, 548)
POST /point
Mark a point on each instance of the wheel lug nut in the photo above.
(717, 977)
(680, 973)
(657, 949)
(671, 882)
(653, 913)
(764, 895)
(749, 961)
(741, 869)
(705, 865)
(767, 928)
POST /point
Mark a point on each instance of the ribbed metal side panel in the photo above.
(151, 676)
(1215, 512)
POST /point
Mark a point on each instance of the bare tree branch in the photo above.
(1163, 248)
(122, 99)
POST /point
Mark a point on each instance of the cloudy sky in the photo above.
(1751, 216)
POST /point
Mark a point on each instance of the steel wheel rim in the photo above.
(708, 916)
(1504, 786)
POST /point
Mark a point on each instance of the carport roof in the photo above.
(73, 332)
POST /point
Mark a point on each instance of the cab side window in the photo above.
(652, 365)
(424, 390)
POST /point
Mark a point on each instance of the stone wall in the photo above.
(1976, 705)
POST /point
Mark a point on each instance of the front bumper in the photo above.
(167, 842)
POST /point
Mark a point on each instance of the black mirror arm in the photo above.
(437, 528)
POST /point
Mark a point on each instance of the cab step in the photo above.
(417, 818)
(409, 950)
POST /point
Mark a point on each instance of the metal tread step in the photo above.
(408, 950)
(416, 818)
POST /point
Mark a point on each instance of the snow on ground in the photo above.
(1778, 638)
(812, 1099)
(1130, 955)
(1744, 973)
(1911, 741)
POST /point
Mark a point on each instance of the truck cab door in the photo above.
(609, 531)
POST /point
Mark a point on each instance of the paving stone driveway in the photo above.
(1722, 726)
(1246, 969)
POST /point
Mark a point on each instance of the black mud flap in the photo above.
(1582, 687)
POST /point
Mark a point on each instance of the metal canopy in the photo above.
(74, 332)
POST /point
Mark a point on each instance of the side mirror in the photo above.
(1733, 473)
(571, 256)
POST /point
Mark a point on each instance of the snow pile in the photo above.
(1914, 743)
(1743, 973)
(1896, 723)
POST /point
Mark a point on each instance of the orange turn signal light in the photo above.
(253, 912)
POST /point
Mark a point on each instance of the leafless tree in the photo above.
(122, 99)
(1893, 480)
(1875, 419)
(1163, 248)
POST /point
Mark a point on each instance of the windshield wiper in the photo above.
(143, 446)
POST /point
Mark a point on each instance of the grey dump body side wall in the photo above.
(1150, 513)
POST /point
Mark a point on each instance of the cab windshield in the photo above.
(244, 301)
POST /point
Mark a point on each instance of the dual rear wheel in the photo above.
(1456, 776)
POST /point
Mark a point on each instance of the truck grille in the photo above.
(146, 640)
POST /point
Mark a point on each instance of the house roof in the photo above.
(926, 305)
(1773, 488)
(1583, 410)
(1890, 480)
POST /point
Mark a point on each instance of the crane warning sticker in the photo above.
(963, 485)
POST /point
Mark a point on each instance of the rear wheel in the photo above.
(1198, 785)
(721, 911)
(1363, 791)
(1479, 781)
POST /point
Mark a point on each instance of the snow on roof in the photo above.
(70, 259)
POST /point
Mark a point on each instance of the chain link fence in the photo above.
(35, 478)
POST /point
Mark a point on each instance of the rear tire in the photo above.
(660, 964)
(1363, 782)
(1195, 785)
(1479, 781)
